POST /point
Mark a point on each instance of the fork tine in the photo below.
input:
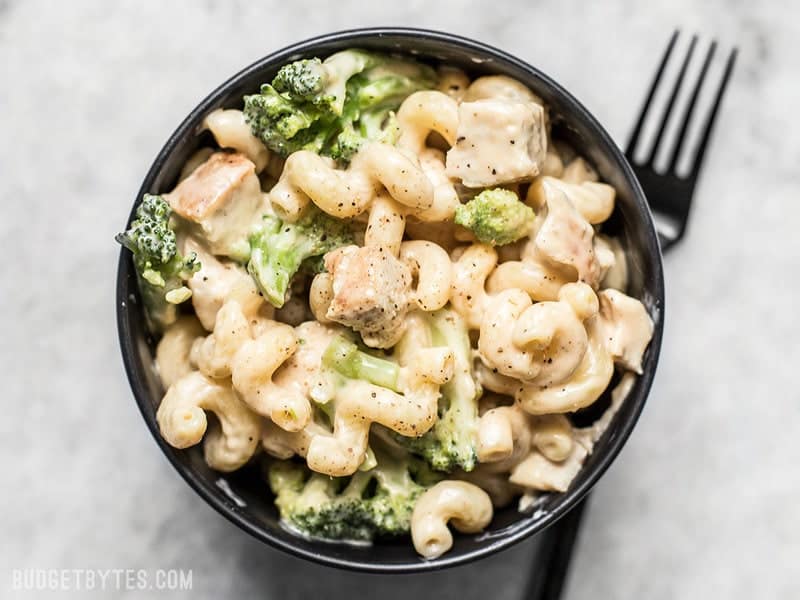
(712, 115)
(676, 89)
(681, 138)
(637, 130)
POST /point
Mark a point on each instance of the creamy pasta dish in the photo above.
(389, 285)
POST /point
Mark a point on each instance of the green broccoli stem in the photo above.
(345, 357)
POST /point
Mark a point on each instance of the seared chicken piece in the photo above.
(223, 197)
(497, 141)
(371, 290)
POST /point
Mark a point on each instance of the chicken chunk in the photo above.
(539, 473)
(497, 141)
(371, 293)
(626, 328)
(223, 198)
(563, 237)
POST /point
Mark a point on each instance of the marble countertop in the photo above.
(703, 499)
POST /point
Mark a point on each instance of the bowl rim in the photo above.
(569, 499)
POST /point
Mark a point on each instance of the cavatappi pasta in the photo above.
(396, 303)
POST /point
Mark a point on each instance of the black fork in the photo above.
(670, 194)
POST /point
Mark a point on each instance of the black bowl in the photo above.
(243, 497)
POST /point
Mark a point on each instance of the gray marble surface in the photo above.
(703, 500)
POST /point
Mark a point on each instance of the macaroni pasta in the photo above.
(182, 420)
(463, 505)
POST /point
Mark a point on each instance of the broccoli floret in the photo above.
(450, 443)
(286, 125)
(278, 249)
(301, 109)
(160, 268)
(368, 504)
(305, 78)
(324, 83)
(496, 216)
(319, 105)
(347, 359)
(372, 99)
